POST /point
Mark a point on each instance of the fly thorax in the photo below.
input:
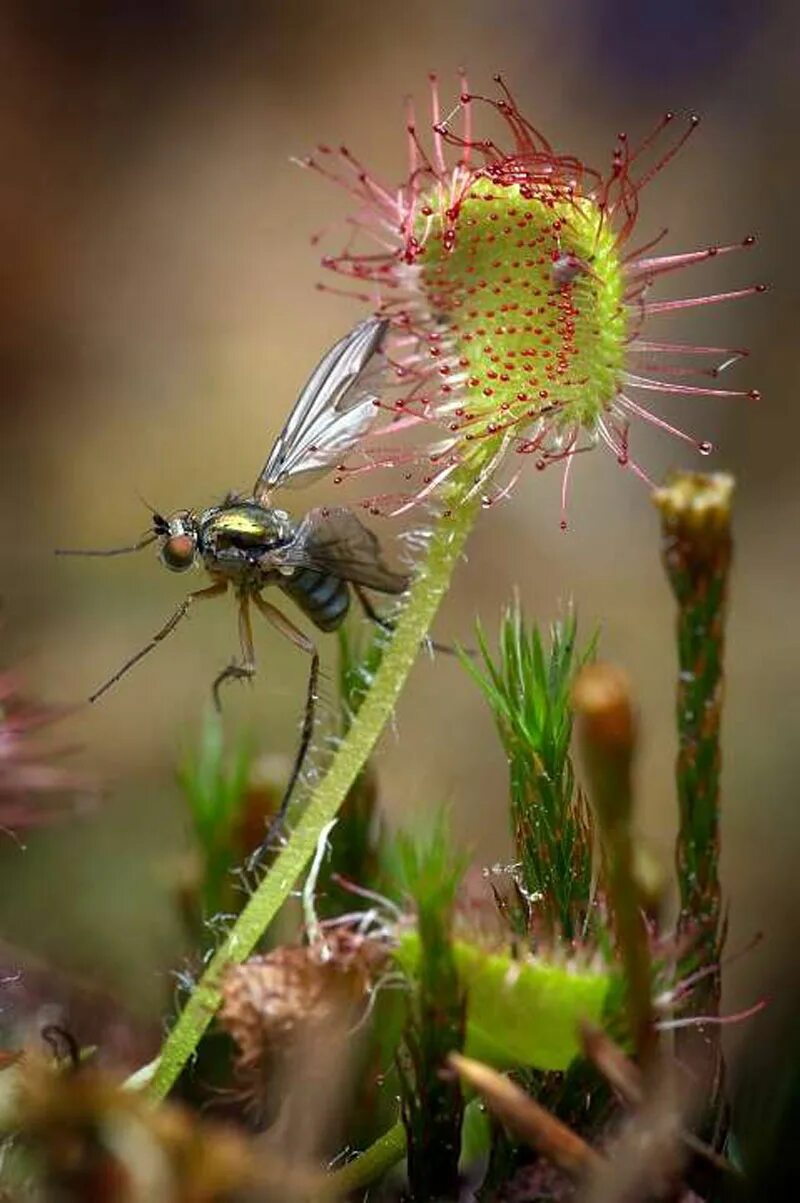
(235, 536)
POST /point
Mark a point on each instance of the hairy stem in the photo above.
(696, 550)
(695, 512)
(370, 1165)
(424, 597)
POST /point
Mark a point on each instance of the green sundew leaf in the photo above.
(519, 1012)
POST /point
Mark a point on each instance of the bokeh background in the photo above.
(159, 313)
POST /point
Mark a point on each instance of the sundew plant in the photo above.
(508, 267)
(427, 1031)
(516, 279)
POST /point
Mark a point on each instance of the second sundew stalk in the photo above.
(430, 586)
(697, 549)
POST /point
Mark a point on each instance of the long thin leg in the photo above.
(387, 624)
(239, 671)
(301, 640)
(169, 626)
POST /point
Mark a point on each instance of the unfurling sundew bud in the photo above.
(606, 732)
(606, 728)
(696, 509)
(516, 300)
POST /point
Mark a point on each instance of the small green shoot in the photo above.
(528, 688)
(214, 780)
(432, 1103)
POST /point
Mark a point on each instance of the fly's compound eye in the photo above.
(178, 552)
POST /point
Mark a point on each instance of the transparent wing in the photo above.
(335, 408)
(333, 540)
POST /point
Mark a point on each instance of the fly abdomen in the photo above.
(324, 598)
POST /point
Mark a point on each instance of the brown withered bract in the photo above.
(87, 1138)
(270, 1001)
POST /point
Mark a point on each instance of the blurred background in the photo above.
(159, 314)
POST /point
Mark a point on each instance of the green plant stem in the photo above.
(695, 511)
(424, 597)
(696, 550)
(373, 1163)
(431, 1100)
(632, 939)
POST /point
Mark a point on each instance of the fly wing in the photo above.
(333, 540)
(335, 408)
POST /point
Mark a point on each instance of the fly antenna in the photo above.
(151, 509)
(145, 541)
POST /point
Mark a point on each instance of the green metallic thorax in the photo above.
(245, 524)
(235, 540)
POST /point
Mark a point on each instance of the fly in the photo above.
(247, 544)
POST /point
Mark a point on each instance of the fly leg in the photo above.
(387, 624)
(169, 626)
(239, 670)
(301, 640)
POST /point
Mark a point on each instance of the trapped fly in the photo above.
(248, 544)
